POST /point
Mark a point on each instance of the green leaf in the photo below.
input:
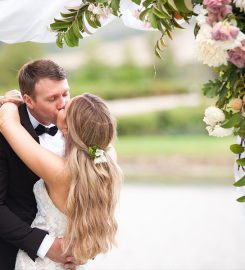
(59, 25)
(176, 24)
(152, 19)
(159, 13)
(169, 33)
(160, 45)
(161, 6)
(68, 15)
(146, 3)
(96, 21)
(196, 29)
(211, 88)
(85, 27)
(236, 148)
(162, 42)
(162, 2)
(157, 53)
(59, 40)
(63, 20)
(240, 133)
(76, 30)
(242, 124)
(137, 2)
(233, 121)
(170, 6)
(241, 161)
(241, 199)
(240, 182)
(115, 4)
(88, 15)
(73, 9)
(70, 38)
(166, 25)
(161, 28)
(143, 14)
(181, 6)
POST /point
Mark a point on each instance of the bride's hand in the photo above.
(8, 114)
(13, 96)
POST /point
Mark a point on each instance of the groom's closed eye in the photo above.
(51, 99)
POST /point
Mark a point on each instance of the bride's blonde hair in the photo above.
(94, 187)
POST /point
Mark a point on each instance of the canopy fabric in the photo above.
(28, 20)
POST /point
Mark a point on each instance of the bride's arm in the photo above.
(41, 161)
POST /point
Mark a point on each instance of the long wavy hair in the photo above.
(94, 188)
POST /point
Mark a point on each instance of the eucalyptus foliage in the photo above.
(162, 15)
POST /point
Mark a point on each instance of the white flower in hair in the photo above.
(99, 156)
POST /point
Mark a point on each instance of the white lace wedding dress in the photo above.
(48, 218)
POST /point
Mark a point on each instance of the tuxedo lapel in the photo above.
(25, 121)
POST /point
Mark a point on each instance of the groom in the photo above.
(45, 91)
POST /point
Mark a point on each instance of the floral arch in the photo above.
(219, 32)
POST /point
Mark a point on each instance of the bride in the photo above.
(77, 194)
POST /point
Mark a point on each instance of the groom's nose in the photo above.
(61, 103)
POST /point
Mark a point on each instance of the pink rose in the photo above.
(237, 56)
(215, 5)
(224, 31)
(218, 16)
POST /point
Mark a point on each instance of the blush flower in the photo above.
(224, 31)
(237, 56)
(220, 15)
(215, 5)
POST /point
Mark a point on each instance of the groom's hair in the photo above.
(31, 72)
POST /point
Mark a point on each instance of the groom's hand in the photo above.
(56, 254)
(71, 263)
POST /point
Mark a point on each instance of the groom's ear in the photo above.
(28, 101)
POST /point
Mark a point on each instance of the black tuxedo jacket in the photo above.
(17, 202)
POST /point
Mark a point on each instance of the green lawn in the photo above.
(178, 160)
(194, 145)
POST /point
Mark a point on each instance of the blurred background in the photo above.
(178, 208)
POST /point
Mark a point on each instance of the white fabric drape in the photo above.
(28, 20)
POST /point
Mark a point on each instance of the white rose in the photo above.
(218, 131)
(240, 4)
(213, 116)
(209, 51)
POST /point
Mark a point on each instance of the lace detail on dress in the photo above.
(48, 218)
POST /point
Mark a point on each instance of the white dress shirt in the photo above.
(56, 145)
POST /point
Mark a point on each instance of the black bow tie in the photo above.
(40, 129)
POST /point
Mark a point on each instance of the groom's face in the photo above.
(50, 96)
